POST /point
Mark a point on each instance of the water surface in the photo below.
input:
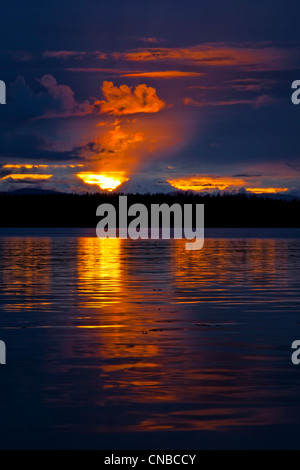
(142, 344)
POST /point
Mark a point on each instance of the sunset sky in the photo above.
(194, 94)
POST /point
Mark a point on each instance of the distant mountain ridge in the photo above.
(145, 186)
(152, 186)
(33, 191)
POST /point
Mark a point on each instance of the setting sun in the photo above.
(106, 182)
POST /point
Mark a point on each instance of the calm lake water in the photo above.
(116, 344)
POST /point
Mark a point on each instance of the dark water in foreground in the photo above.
(116, 344)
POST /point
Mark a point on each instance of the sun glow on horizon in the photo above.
(205, 183)
(266, 190)
(104, 181)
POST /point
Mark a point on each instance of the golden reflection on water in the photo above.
(99, 271)
(102, 276)
(135, 313)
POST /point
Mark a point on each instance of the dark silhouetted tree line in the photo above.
(73, 210)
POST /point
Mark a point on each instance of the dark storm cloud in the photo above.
(27, 147)
(34, 147)
(93, 148)
(53, 100)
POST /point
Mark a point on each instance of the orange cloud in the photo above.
(116, 140)
(266, 190)
(122, 101)
(200, 183)
(222, 183)
(16, 176)
(164, 74)
(256, 56)
(27, 166)
(116, 151)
